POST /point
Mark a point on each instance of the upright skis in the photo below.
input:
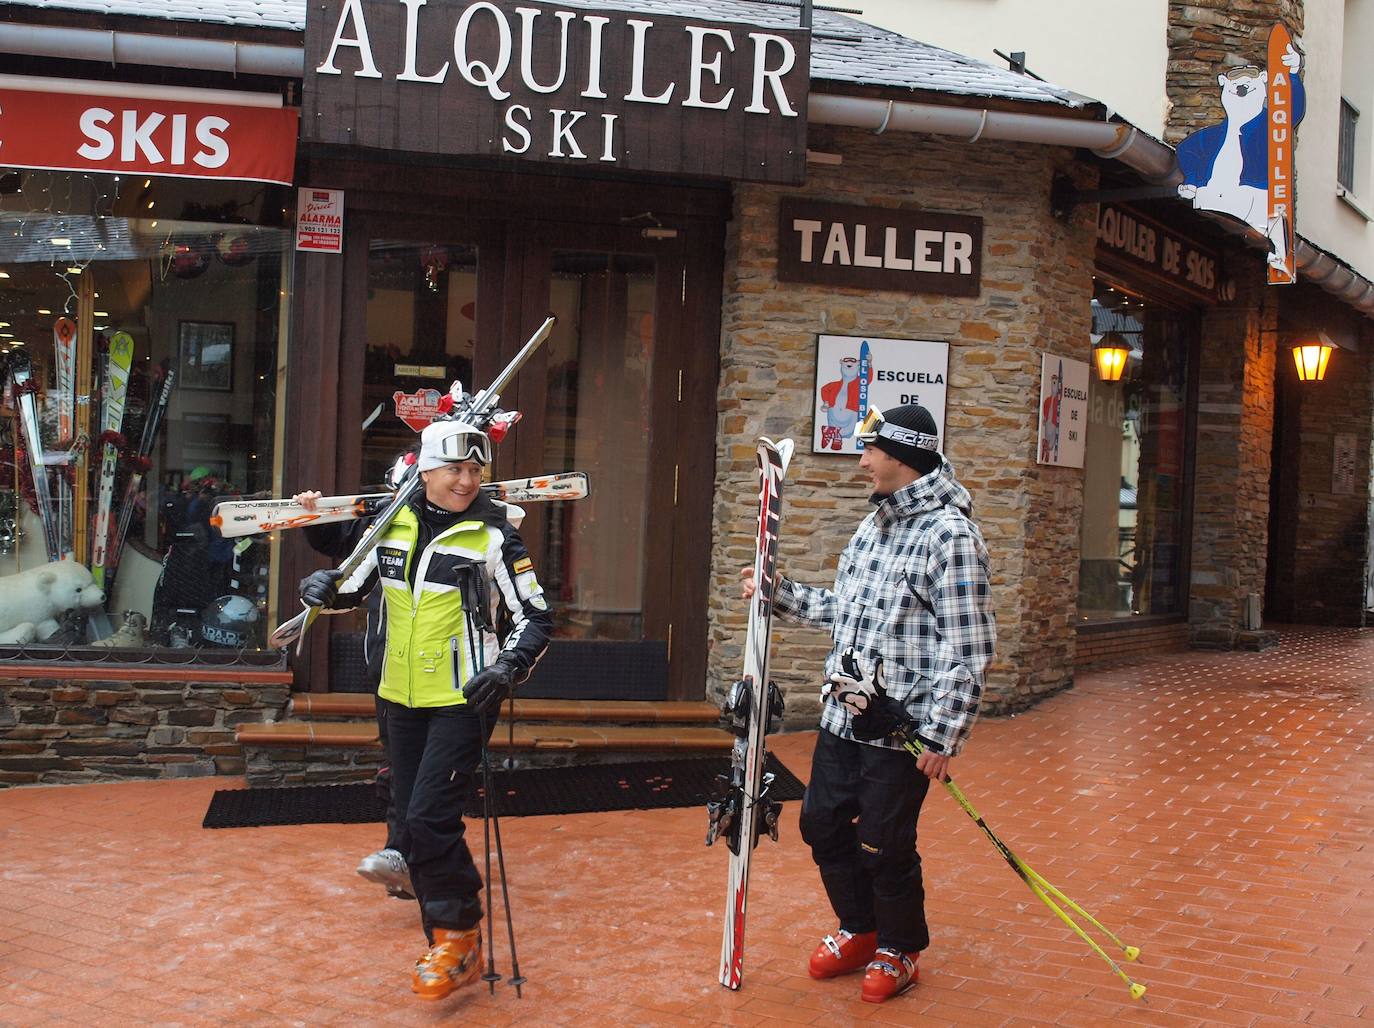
(116, 389)
(744, 809)
(157, 409)
(25, 397)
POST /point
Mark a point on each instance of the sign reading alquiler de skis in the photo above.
(593, 88)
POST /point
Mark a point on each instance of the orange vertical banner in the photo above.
(1283, 264)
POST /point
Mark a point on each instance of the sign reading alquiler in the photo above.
(879, 248)
(1147, 245)
(606, 89)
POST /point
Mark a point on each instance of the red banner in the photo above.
(143, 136)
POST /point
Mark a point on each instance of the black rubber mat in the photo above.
(643, 785)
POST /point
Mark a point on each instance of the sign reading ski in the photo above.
(743, 810)
(537, 82)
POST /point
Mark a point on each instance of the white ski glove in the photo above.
(855, 687)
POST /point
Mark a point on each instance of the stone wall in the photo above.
(1234, 440)
(1036, 291)
(1206, 36)
(60, 730)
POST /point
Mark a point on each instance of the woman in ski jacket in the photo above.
(465, 620)
(910, 617)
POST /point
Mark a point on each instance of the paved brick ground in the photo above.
(1215, 809)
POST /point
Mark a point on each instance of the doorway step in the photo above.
(332, 737)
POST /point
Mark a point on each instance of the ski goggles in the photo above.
(875, 426)
(462, 446)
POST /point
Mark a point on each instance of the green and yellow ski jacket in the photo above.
(474, 572)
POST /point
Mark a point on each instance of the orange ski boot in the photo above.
(841, 953)
(890, 974)
(453, 961)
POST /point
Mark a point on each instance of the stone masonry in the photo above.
(57, 731)
(1037, 280)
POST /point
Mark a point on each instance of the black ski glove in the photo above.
(489, 688)
(321, 588)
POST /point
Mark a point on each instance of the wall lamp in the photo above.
(1110, 355)
(1312, 357)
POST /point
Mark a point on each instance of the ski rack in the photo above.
(477, 410)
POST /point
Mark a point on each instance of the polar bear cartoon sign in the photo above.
(1229, 167)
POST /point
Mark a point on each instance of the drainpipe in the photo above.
(1155, 161)
(115, 48)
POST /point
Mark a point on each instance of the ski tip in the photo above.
(783, 448)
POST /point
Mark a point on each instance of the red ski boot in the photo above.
(453, 961)
(841, 953)
(890, 974)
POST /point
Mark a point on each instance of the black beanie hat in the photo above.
(914, 418)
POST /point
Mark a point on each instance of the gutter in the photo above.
(1155, 161)
(113, 48)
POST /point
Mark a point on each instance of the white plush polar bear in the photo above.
(33, 600)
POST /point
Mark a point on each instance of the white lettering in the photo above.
(862, 258)
(352, 9)
(491, 74)
(922, 261)
(890, 258)
(527, 16)
(608, 137)
(773, 76)
(178, 139)
(808, 230)
(515, 126)
(412, 37)
(700, 65)
(637, 94)
(139, 136)
(102, 143)
(562, 132)
(216, 153)
(836, 246)
(593, 91)
(958, 251)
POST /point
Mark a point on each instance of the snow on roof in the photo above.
(876, 57)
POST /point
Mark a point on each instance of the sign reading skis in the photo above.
(536, 82)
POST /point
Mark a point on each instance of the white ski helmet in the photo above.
(444, 442)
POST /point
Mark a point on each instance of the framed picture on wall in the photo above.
(206, 355)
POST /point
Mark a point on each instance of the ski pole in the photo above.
(491, 977)
(516, 978)
(1034, 880)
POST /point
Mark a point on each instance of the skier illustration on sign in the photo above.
(1049, 416)
(911, 618)
(841, 411)
(465, 620)
(1226, 166)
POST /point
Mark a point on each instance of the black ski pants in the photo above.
(859, 818)
(383, 781)
(435, 752)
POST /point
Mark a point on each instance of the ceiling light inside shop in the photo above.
(152, 204)
(16, 342)
(44, 310)
(6, 335)
(4, 274)
(61, 241)
(101, 328)
(102, 314)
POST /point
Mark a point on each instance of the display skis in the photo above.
(27, 402)
(159, 396)
(743, 810)
(64, 361)
(478, 410)
(234, 518)
(116, 389)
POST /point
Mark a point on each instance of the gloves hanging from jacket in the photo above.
(875, 714)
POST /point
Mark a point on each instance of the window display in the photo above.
(1135, 487)
(141, 324)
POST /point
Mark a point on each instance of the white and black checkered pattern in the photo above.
(912, 587)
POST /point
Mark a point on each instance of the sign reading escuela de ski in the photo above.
(879, 248)
(607, 89)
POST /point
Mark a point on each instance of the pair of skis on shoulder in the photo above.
(234, 518)
(743, 809)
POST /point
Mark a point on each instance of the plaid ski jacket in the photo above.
(911, 587)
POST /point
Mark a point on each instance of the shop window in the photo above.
(141, 323)
(1135, 490)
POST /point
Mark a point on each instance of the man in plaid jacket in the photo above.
(911, 617)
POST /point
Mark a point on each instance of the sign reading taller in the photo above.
(608, 89)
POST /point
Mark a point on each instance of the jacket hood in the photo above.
(931, 492)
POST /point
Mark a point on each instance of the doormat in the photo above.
(642, 785)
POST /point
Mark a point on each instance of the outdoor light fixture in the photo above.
(1311, 358)
(1110, 355)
